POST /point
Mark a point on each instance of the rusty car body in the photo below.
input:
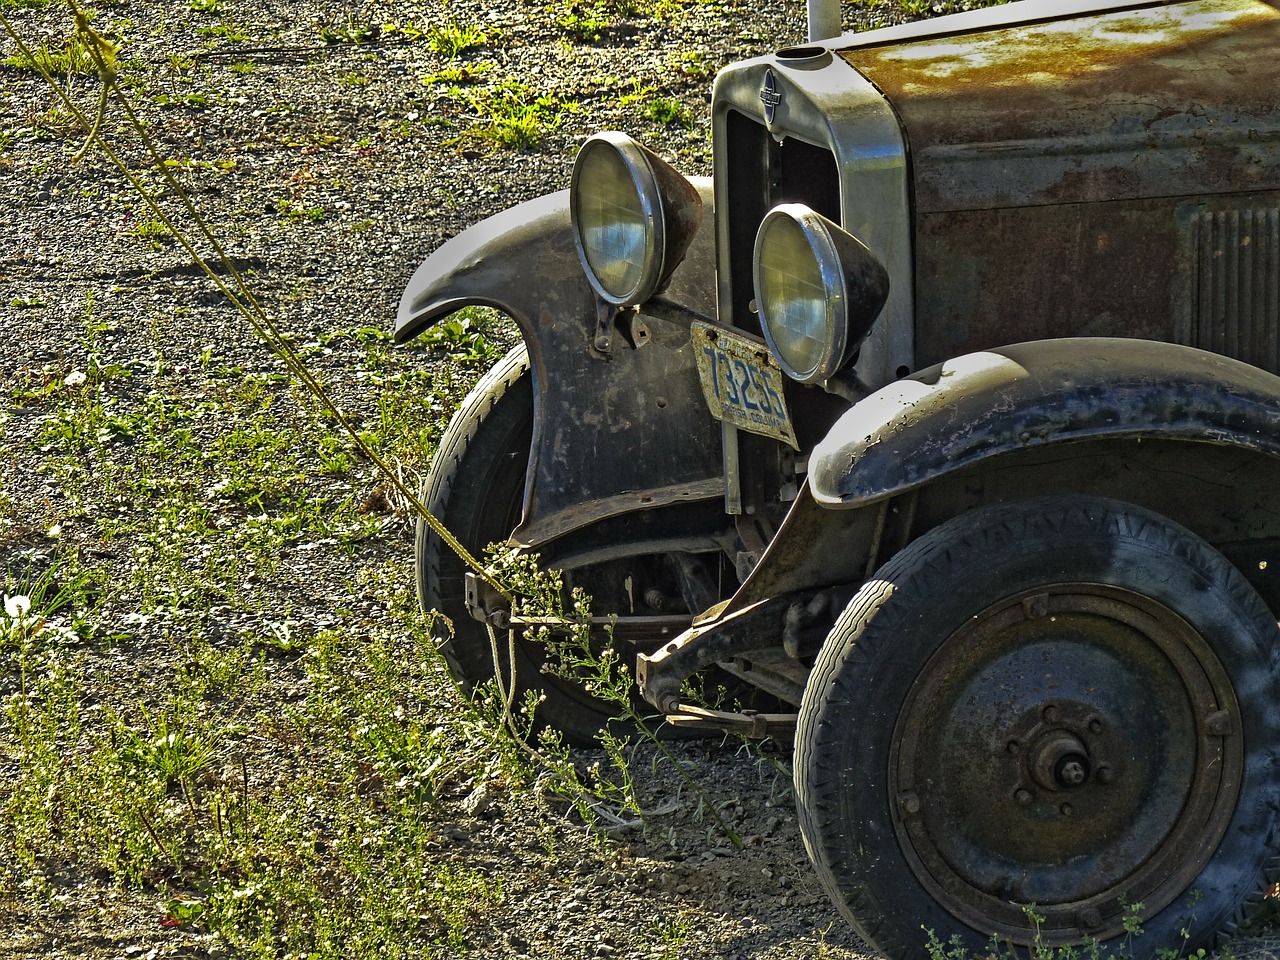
(946, 415)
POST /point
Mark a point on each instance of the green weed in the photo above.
(452, 41)
(1041, 949)
(152, 231)
(72, 56)
(696, 65)
(225, 31)
(457, 75)
(916, 9)
(669, 937)
(515, 118)
(583, 23)
(462, 337)
(171, 746)
(636, 93)
(668, 111)
(294, 211)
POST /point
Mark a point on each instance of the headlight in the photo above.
(818, 290)
(633, 217)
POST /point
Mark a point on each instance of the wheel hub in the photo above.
(1059, 761)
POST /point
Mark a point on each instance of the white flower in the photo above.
(75, 378)
(16, 606)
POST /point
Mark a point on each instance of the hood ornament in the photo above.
(770, 96)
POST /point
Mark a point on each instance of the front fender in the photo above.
(981, 405)
(521, 261)
(613, 433)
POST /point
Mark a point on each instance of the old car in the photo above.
(946, 416)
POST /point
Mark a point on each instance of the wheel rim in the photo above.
(1076, 747)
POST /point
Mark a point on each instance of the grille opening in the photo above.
(762, 174)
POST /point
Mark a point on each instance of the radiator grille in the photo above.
(1238, 285)
(762, 173)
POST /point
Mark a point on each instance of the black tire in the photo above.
(476, 487)
(1061, 701)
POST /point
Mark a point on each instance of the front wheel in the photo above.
(476, 488)
(1058, 702)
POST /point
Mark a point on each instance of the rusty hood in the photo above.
(1158, 100)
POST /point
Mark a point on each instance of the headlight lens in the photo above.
(818, 290)
(794, 299)
(633, 217)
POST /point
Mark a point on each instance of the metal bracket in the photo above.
(602, 343)
(756, 726)
(485, 603)
(660, 674)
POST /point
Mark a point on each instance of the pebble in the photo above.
(477, 802)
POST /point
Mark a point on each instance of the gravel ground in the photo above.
(328, 171)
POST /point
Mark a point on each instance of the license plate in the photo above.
(742, 382)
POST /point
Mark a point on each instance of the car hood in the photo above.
(1164, 100)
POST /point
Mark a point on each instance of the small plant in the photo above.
(695, 65)
(456, 76)
(637, 93)
(227, 31)
(204, 6)
(517, 119)
(73, 56)
(172, 746)
(151, 231)
(41, 603)
(293, 211)
(1041, 949)
(584, 22)
(668, 111)
(669, 937)
(452, 41)
(243, 68)
(916, 9)
(462, 337)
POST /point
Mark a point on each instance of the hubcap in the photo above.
(1069, 747)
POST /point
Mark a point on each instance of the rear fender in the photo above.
(614, 432)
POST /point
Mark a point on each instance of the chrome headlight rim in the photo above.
(814, 228)
(649, 202)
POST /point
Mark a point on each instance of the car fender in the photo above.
(520, 261)
(593, 409)
(983, 405)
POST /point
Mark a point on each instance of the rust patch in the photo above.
(1154, 102)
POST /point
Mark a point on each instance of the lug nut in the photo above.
(1051, 714)
(1106, 774)
(1218, 723)
(1023, 797)
(1066, 809)
(1089, 919)
(1095, 725)
(909, 802)
(1013, 746)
